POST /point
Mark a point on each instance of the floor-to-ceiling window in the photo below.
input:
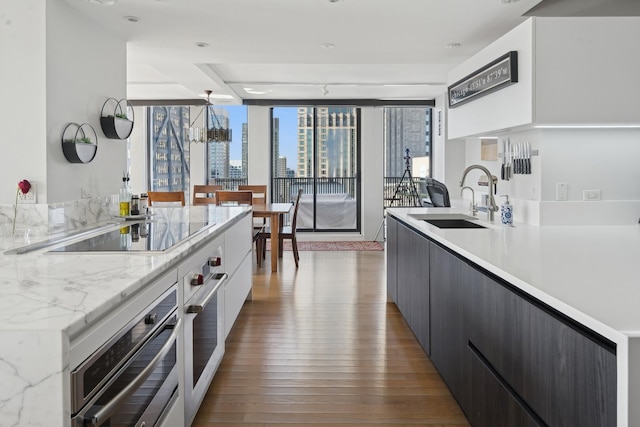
(316, 149)
(406, 128)
(168, 148)
(228, 162)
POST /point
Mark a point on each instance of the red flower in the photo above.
(24, 186)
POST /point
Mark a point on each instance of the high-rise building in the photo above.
(245, 150)
(336, 139)
(169, 154)
(275, 145)
(405, 128)
(235, 169)
(281, 171)
(219, 151)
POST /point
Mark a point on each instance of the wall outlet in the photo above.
(562, 191)
(30, 197)
(591, 195)
(86, 192)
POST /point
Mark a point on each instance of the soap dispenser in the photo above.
(506, 212)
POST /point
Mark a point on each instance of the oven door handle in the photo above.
(199, 307)
(110, 408)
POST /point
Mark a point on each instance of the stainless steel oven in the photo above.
(203, 329)
(133, 378)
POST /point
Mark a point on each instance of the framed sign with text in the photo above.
(496, 75)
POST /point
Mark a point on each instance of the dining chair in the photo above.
(205, 194)
(259, 192)
(259, 196)
(166, 198)
(287, 232)
(224, 197)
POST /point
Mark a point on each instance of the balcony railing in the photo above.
(285, 189)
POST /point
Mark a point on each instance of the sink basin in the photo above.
(430, 216)
(453, 223)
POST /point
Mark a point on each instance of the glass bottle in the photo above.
(125, 197)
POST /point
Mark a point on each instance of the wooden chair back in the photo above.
(294, 217)
(244, 197)
(166, 197)
(205, 194)
(259, 192)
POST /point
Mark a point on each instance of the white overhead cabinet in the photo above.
(571, 71)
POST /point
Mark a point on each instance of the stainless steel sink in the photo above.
(453, 223)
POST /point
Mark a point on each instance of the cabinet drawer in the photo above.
(238, 241)
(564, 375)
(492, 403)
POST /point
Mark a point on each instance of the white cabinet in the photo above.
(238, 241)
(571, 71)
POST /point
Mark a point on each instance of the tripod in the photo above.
(408, 189)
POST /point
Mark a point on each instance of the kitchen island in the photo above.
(580, 283)
(50, 300)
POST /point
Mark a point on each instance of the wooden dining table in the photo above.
(275, 212)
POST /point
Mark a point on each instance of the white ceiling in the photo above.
(383, 49)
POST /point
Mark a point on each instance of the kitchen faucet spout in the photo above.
(491, 187)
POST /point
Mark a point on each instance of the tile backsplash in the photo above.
(45, 219)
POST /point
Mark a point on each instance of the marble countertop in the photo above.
(591, 274)
(66, 292)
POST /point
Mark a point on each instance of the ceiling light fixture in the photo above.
(453, 45)
(213, 130)
(103, 2)
(132, 18)
(509, 1)
(327, 45)
(202, 44)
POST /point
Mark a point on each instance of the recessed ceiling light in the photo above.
(202, 44)
(509, 1)
(132, 18)
(334, 1)
(327, 45)
(103, 2)
(453, 45)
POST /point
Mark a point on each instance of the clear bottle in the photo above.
(125, 197)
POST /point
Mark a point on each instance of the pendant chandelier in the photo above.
(213, 130)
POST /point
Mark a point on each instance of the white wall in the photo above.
(372, 165)
(259, 148)
(22, 104)
(85, 65)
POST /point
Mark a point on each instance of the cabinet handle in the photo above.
(199, 307)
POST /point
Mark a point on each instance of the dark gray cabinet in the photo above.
(492, 404)
(392, 259)
(509, 359)
(566, 375)
(412, 278)
(449, 277)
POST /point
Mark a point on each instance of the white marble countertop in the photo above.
(591, 274)
(65, 292)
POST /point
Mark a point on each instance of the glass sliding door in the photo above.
(324, 141)
(406, 128)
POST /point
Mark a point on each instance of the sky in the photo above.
(288, 131)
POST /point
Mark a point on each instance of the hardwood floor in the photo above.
(321, 346)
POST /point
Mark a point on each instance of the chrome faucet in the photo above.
(491, 187)
(472, 206)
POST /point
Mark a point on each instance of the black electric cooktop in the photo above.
(152, 236)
